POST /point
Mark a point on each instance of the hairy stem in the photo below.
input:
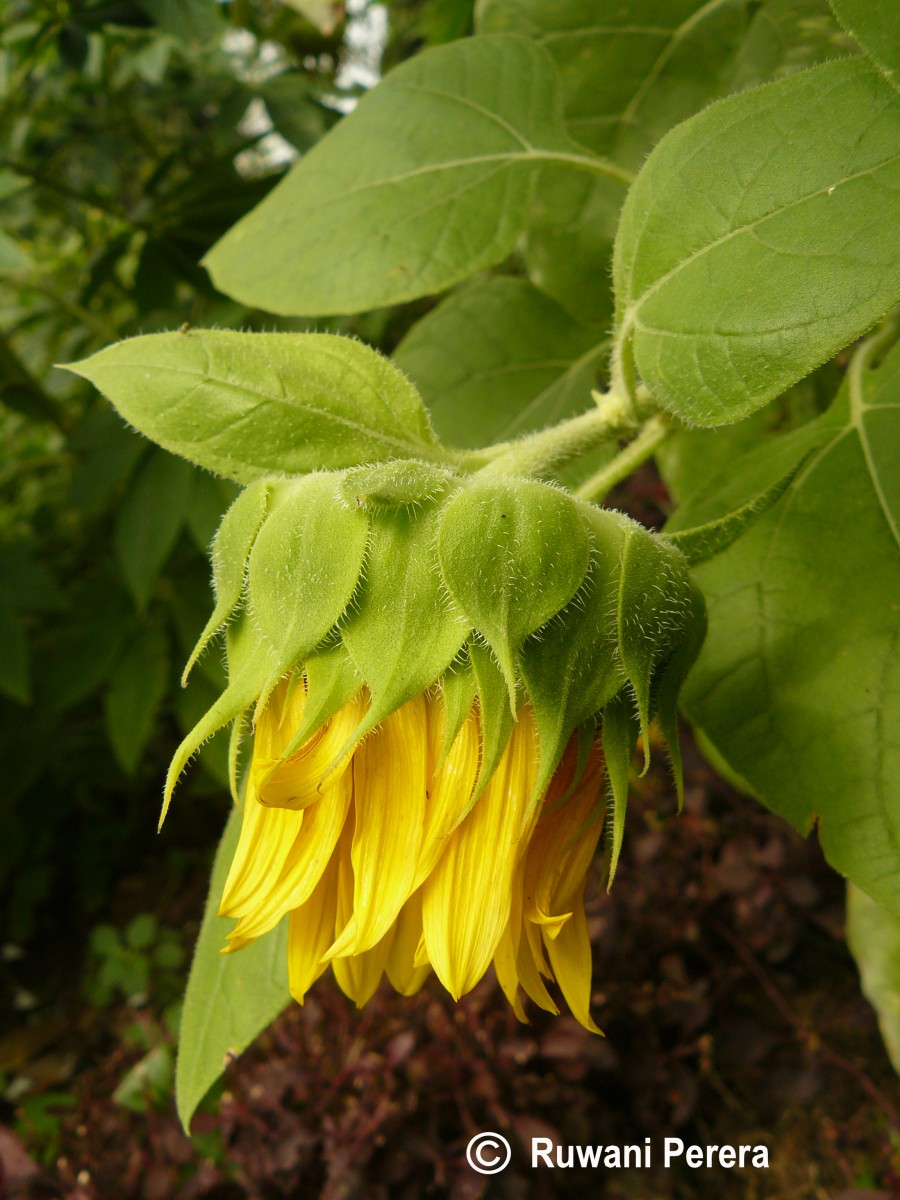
(650, 438)
(541, 452)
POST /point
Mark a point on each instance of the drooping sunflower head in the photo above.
(439, 673)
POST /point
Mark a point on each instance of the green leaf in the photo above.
(631, 71)
(136, 689)
(292, 101)
(209, 499)
(27, 583)
(498, 359)
(876, 26)
(77, 655)
(188, 20)
(873, 935)
(426, 182)
(512, 554)
(798, 684)
(628, 72)
(14, 659)
(702, 542)
(12, 256)
(106, 453)
(403, 630)
(787, 36)
(230, 998)
(567, 243)
(150, 520)
(304, 566)
(249, 405)
(731, 285)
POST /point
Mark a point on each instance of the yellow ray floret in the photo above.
(388, 862)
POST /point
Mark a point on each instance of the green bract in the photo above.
(399, 577)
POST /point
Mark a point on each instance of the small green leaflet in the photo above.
(732, 285)
(230, 998)
(248, 405)
(426, 182)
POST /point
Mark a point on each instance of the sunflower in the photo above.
(392, 861)
(442, 675)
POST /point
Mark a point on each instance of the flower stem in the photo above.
(650, 438)
(541, 452)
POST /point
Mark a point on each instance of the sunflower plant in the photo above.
(443, 650)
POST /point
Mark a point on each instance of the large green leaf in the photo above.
(876, 26)
(426, 182)
(498, 359)
(150, 520)
(136, 689)
(873, 935)
(12, 256)
(798, 685)
(191, 21)
(229, 998)
(732, 284)
(568, 241)
(629, 71)
(787, 36)
(248, 405)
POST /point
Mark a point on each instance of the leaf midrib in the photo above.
(265, 398)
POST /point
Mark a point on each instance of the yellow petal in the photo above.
(307, 859)
(389, 780)
(570, 958)
(358, 975)
(297, 782)
(466, 900)
(451, 787)
(267, 836)
(507, 976)
(563, 843)
(310, 930)
(405, 976)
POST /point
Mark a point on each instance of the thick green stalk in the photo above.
(542, 452)
(650, 438)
